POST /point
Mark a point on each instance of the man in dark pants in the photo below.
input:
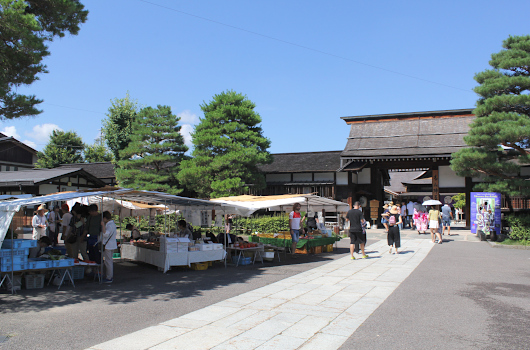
(93, 229)
(356, 218)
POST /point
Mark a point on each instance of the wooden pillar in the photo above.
(435, 183)
(350, 190)
(376, 187)
(469, 188)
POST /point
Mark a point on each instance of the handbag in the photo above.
(72, 238)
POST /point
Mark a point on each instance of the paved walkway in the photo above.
(317, 309)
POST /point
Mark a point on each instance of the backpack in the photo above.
(392, 220)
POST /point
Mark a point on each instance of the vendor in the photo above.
(37, 251)
(135, 233)
(312, 221)
(184, 231)
(39, 222)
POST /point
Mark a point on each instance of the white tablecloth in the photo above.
(165, 261)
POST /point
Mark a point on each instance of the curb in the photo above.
(504, 246)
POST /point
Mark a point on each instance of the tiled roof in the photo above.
(101, 170)
(303, 162)
(31, 177)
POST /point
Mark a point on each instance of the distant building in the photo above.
(15, 155)
(104, 171)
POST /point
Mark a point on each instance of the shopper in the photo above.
(447, 215)
(404, 214)
(108, 228)
(54, 218)
(434, 225)
(67, 230)
(39, 223)
(393, 236)
(80, 213)
(384, 217)
(92, 233)
(356, 219)
(295, 223)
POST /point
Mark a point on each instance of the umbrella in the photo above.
(432, 202)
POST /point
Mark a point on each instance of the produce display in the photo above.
(147, 245)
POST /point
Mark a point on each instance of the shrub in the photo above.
(520, 227)
(263, 224)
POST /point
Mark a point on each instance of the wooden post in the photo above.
(469, 188)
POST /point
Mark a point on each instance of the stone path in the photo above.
(317, 309)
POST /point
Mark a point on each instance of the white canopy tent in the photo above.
(118, 206)
(9, 208)
(311, 202)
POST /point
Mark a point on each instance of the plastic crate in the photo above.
(63, 263)
(16, 285)
(116, 255)
(36, 264)
(16, 267)
(244, 260)
(5, 253)
(19, 243)
(34, 281)
(17, 259)
(199, 266)
(329, 248)
(78, 272)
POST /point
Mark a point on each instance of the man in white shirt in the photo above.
(39, 223)
(410, 213)
(108, 228)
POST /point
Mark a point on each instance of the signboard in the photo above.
(485, 212)
(435, 185)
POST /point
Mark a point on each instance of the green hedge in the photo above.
(520, 227)
(263, 224)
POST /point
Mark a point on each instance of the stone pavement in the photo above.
(317, 309)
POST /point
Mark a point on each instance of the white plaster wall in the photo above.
(354, 178)
(364, 176)
(342, 178)
(278, 177)
(323, 176)
(448, 177)
(302, 177)
(47, 189)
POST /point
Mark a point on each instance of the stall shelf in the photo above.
(302, 243)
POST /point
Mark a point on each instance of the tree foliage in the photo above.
(460, 200)
(228, 146)
(97, 153)
(64, 147)
(25, 27)
(500, 134)
(117, 127)
(152, 158)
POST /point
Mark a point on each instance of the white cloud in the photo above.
(30, 144)
(187, 117)
(11, 131)
(41, 133)
(186, 131)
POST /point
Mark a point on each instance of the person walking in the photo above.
(92, 230)
(393, 235)
(447, 216)
(39, 223)
(410, 213)
(108, 230)
(295, 223)
(384, 217)
(356, 219)
(434, 215)
(404, 214)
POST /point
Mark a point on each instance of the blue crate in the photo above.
(19, 243)
(62, 263)
(36, 264)
(244, 260)
(4, 253)
(61, 249)
(16, 267)
(17, 259)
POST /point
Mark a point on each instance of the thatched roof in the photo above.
(407, 135)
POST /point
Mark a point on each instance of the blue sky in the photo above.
(331, 59)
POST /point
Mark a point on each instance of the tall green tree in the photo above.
(64, 147)
(228, 146)
(25, 28)
(117, 127)
(97, 153)
(152, 158)
(499, 137)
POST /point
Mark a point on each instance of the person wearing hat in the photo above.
(39, 222)
(384, 217)
(393, 235)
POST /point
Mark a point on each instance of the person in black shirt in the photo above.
(393, 235)
(356, 219)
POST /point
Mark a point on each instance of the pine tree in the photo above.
(499, 137)
(152, 158)
(25, 28)
(64, 147)
(228, 146)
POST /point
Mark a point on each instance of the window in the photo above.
(15, 168)
(8, 168)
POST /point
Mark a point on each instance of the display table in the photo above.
(240, 253)
(6, 276)
(308, 243)
(165, 260)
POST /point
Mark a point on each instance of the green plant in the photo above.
(520, 227)
(460, 200)
(263, 224)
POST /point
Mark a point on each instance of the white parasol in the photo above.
(432, 202)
